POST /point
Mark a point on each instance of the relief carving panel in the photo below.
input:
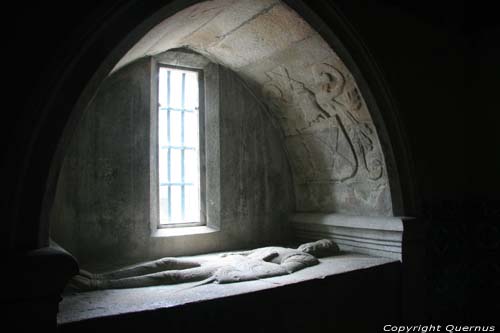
(332, 143)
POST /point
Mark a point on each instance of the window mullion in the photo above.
(182, 145)
(169, 200)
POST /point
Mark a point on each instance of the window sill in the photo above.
(183, 231)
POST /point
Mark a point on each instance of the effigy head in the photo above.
(320, 248)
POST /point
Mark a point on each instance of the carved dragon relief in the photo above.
(326, 140)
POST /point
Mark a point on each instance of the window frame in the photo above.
(201, 144)
(210, 184)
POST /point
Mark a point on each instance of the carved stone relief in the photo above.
(327, 141)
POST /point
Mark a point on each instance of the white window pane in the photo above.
(192, 204)
(191, 129)
(175, 128)
(162, 87)
(175, 89)
(175, 165)
(163, 204)
(176, 204)
(163, 165)
(191, 173)
(191, 92)
(162, 128)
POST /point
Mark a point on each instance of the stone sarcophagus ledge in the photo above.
(378, 236)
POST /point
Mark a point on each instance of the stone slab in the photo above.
(84, 306)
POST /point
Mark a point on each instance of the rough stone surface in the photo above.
(229, 20)
(332, 144)
(102, 202)
(271, 31)
(258, 191)
(189, 21)
(172, 30)
(81, 306)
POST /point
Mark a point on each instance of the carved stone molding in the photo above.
(377, 236)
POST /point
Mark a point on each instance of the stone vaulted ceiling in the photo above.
(331, 141)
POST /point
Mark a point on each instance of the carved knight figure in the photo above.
(226, 268)
(331, 96)
(350, 143)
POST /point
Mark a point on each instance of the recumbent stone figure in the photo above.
(226, 268)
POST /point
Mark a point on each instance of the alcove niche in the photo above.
(301, 152)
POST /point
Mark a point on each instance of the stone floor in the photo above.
(80, 306)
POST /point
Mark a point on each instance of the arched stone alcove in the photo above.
(73, 84)
(340, 158)
(66, 91)
(332, 143)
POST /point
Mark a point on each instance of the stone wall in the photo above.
(296, 95)
(332, 144)
(102, 204)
